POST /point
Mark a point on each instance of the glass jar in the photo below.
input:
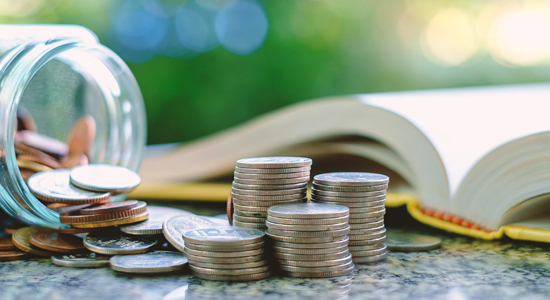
(60, 73)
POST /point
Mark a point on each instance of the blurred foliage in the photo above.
(313, 49)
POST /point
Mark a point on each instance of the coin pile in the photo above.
(365, 195)
(310, 239)
(226, 253)
(265, 181)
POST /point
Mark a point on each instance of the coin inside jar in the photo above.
(104, 178)
(109, 207)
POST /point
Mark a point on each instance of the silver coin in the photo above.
(310, 251)
(370, 236)
(308, 210)
(354, 226)
(299, 190)
(264, 203)
(410, 242)
(255, 214)
(374, 196)
(335, 244)
(174, 227)
(369, 259)
(106, 178)
(319, 257)
(254, 264)
(333, 188)
(306, 240)
(351, 179)
(369, 252)
(113, 242)
(366, 230)
(153, 224)
(362, 210)
(224, 236)
(367, 242)
(270, 176)
(224, 254)
(320, 274)
(260, 226)
(364, 205)
(148, 263)
(329, 227)
(316, 264)
(290, 221)
(341, 267)
(248, 219)
(262, 209)
(365, 247)
(366, 220)
(368, 214)
(218, 260)
(269, 198)
(310, 234)
(304, 179)
(269, 186)
(55, 184)
(272, 170)
(233, 272)
(274, 162)
(87, 260)
(244, 247)
(250, 277)
(367, 200)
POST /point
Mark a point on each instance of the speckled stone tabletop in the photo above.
(463, 268)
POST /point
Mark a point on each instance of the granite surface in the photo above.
(463, 268)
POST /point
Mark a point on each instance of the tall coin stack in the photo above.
(226, 253)
(310, 239)
(261, 182)
(365, 195)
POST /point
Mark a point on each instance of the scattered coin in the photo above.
(105, 178)
(113, 242)
(84, 260)
(21, 239)
(110, 208)
(54, 186)
(149, 263)
(57, 242)
(11, 255)
(351, 179)
(153, 224)
(6, 244)
(410, 242)
(174, 227)
(277, 162)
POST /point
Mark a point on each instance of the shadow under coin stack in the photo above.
(365, 195)
(265, 181)
(226, 253)
(310, 239)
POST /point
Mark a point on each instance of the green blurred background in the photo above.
(207, 65)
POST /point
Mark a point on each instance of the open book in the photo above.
(476, 158)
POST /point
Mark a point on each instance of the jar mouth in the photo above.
(121, 104)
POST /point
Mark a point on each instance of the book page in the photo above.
(465, 124)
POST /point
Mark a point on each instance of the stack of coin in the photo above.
(226, 253)
(265, 181)
(310, 239)
(365, 195)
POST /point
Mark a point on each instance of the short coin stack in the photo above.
(265, 181)
(310, 239)
(365, 195)
(226, 253)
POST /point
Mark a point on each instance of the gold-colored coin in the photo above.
(121, 221)
(29, 165)
(22, 239)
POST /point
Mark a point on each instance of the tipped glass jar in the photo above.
(57, 74)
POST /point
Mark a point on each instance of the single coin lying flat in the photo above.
(105, 178)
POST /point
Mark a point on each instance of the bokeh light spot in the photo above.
(195, 26)
(241, 26)
(450, 37)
